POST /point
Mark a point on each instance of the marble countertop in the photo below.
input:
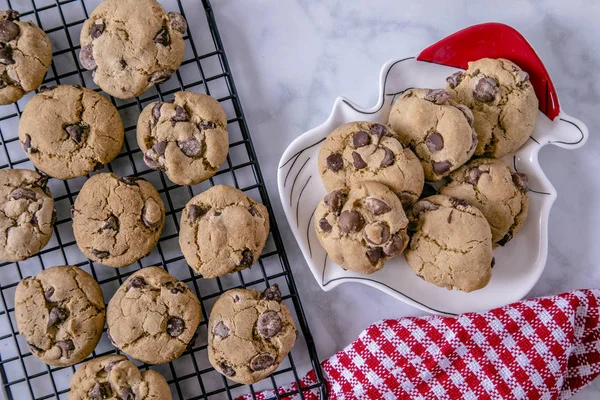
(292, 58)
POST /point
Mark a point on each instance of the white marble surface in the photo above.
(292, 58)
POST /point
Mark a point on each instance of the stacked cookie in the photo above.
(451, 138)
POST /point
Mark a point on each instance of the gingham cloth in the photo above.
(546, 348)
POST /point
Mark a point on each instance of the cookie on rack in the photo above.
(497, 191)
(451, 244)
(187, 138)
(362, 227)
(503, 102)
(153, 316)
(131, 45)
(117, 221)
(61, 314)
(366, 151)
(438, 131)
(70, 131)
(27, 214)
(115, 377)
(249, 334)
(25, 56)
(222, 230)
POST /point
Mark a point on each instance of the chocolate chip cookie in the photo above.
(114, 377)
(25, 56)
(70, 131)
(451, 244)
(27, 214)
(131, 45)
(186, 138)
(497, 191)
(361, 227)
(222, 231)
(438, 131)
(366, 151)
(249, 334)
(61, 314)
(503, 102)
(117, 221)
(153, 317)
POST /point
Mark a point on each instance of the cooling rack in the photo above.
(205, 70)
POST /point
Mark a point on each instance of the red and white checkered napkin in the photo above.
(546, 348)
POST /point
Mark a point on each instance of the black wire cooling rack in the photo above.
(205, 69)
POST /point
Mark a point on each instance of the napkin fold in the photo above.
(544, 348)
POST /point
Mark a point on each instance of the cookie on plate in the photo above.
(61, 314)
(249, 334)
(362, 227)
(115, 377)
(451, 244)
(186, 138)
(117, 221)
(438, 131)
(131, 45)
(70, 131)
(153, 316)
(222, 231)
(497, 191)
(503, 102)
(27, 214)
(365, 151)
(25, 56)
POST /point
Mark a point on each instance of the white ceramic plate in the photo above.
(519, 264)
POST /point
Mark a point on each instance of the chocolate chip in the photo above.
(6, 56)
(10, 15)
(136, 282)
(272, 293)
(204, 125)
(23, 193)
(335, 162)
(86, 57)
(377, 206)
(269, 324)
(97, 28)
(100, 391)
(156, 110)
(507, 238)
(178, 22)
(393, 247)
(27, 144)
(146, 219)
(100, 253)
(473, 174)
(226, 369)
(458, 203)
(521, 181)
(437, 96)
(221, 330)
(441, 167)
(261, 362)
(131, 180)
(455, 79)
(162, 37)
(247, 258)
(236, 298)
(66, 347)
(324, 225)
(377, 233)
(485, 89)
(406, 199)
(423, 205)
(160, 76)
(127, 394)
(388, 157)
(178, 288)
(378, 130)
(450, 216)
(191, 147)
(361, 139)
(466, 112)
(8, 31)
(374, 254)
(434, 142)
(160, 147)
(56, 316)
(522, 77)
(358, 161)
(151, 160)
(76, 132)
(111, 223)
(181, 114)
(493, 262)
(253, 211)
(175, 326)
(350, 221)
(335, 200)
(196, 211)
(49, 293)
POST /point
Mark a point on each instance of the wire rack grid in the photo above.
(205, 70)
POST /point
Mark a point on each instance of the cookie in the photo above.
(61, 314)
(131, 45)
(222, 231)
(362, 227)
(249, 334)
(451, 244)
(365, 151)
(503, 103)
(25, 56)
(497, 191)
(114, 377)
(70, 131)
(117, 221)
(153, 317)
(27, 214)
(186, 138)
